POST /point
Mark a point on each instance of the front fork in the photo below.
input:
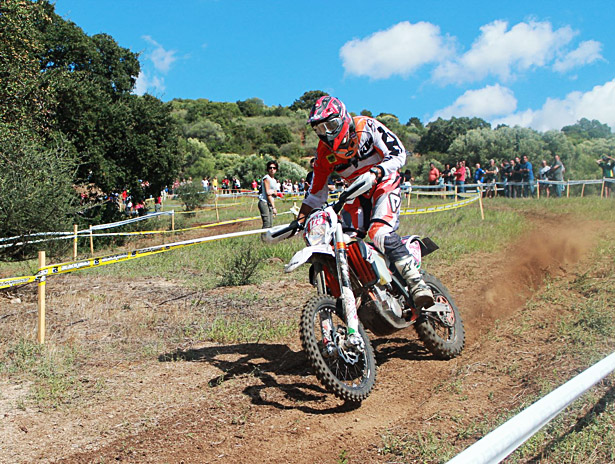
(343, 273)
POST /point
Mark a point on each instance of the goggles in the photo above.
(330, 126)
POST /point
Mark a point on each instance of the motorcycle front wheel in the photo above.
(444, 338)
(349, 375)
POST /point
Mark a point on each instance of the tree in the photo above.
(120, 138)
(198, 162)
(307, 100)
(36, 193)
(441, 133)
(249, 168)
(278, 134)
(26, 101)
(585, 129)
(208, 132)
(36, 190)
(290, 170)
(415, 122)
(251, 107)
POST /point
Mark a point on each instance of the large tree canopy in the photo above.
(441, 133)
(120, 138)
(67, 116)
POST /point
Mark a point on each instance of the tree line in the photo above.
(69, 118)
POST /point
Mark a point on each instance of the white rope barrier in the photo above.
(497, 445)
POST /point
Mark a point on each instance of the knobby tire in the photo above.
(443, 342)
(353, 390)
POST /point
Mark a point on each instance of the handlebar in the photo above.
(292, 227)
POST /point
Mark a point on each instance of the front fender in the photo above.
(302, 256)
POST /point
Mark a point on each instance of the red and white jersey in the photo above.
(377, 146)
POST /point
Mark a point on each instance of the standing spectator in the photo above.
(607, 164)
(543, 174)
(506, 176)
(528, 177)
(447, 176)
(287, 187)
(557, 174)
(491, 173)
(460, 177)
(140, 209)
(158, 204)
(254, 185)
(479, 174)
(214, 184)
(266, 199)
(434, 174)
(517, 177)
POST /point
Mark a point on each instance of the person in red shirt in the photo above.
(363, 147)
(460, 176)
(434, 174)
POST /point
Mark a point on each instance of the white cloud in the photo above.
(161, 58)
(145, 84)
(502, 52)
(490, 101)
(400, 49)
(587, 52)
(598, 103)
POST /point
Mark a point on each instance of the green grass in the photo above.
(53, 371)
(241, 330)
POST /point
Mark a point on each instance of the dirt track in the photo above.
(259, 402)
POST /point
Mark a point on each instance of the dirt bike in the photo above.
(353, 278)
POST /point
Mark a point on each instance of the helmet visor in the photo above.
(328, 127)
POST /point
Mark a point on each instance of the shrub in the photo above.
(242, 269)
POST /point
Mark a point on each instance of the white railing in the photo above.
(495, 446)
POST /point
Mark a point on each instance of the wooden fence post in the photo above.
(40, 330)
(568, 189)
(75, 241)
(91, 241)
(480, 201)
(217, 212)
(602, 189)
(582, 190)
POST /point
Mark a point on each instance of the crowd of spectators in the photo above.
(514, 177)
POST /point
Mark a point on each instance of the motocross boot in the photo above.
(421, 293)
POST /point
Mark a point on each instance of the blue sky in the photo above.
(542, 64)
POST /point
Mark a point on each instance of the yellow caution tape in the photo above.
(140, 253)
(445, 207)
(13, 281)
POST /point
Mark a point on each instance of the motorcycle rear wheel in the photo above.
(349, 381)
(445, 341)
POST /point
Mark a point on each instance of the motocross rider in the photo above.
(363, 149)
